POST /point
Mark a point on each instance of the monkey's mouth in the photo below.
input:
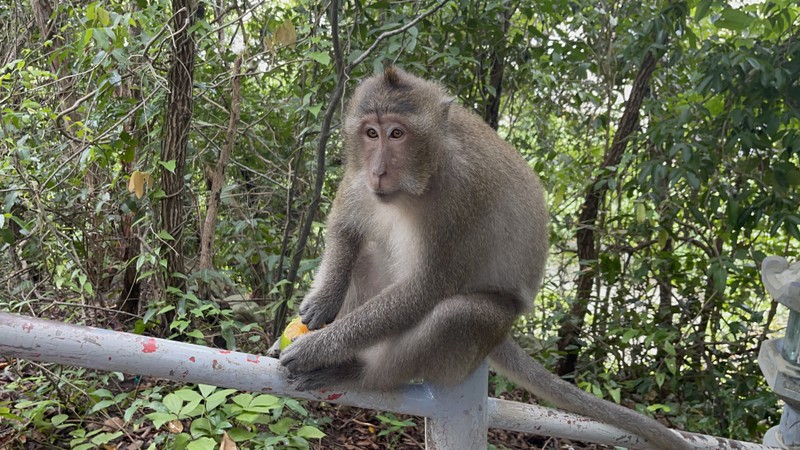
(385, 196)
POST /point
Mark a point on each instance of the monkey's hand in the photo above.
(316, 312)
(311, 352)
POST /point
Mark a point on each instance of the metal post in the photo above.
(460, 420)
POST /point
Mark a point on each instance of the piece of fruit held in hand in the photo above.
(295, 329)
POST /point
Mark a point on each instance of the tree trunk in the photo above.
(176, 137)
(491, 108)
(586, 240)
(131, 285)
(218, 176)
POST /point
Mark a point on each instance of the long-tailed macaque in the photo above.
(436, 242)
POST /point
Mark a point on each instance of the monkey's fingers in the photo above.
(325, 377)
(302, 355)
(314, 318)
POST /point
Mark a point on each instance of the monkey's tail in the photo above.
(514, 363)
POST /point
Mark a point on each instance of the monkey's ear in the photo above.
(391, 75)
(445, 104)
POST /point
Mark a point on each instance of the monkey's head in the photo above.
(394, 131)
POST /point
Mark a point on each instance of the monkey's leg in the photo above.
(445, 347)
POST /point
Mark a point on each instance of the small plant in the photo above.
(394, 427)
(217, 414)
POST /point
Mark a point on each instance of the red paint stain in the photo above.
(253, 359)
(149, 346)
(224, 352)
(216, 365)
(191, 358)
(333, 397)
(27, 327)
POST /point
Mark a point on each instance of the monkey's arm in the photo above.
(397, 308)
(514, 363)
(324, 300)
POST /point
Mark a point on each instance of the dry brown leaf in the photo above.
(286, 34)
(113, 424)
(175, 426)
(136, 184)
(227, 443)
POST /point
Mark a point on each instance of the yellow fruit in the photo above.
(295, 329)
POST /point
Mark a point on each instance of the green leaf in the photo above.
(660, 377)
(56, 420)
(163, 235)
(265, 400)
(628, 335)
(172, 402)
(720, 276)
(641, 213)
(310, 432)
(702, 9)
(206, 389)
(671, 365)
(201, 427)
(282, 426)
(101, 405)
(616, 394)
(205, 443)
(322, 58)
(169, 165)
(181, 441)
(102, 14)
(734, 19)
(192, 409)
(188, 395)
(160, 418)
(218, 398)
(105, 438)
(240, 435)
(243, 400)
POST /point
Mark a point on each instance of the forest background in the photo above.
(166, 169)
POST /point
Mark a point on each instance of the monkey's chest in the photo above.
(395, 243)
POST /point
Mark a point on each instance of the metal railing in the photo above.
(456, 417)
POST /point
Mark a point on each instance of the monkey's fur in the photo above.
(436, 242)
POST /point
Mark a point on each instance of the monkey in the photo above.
(436, 242)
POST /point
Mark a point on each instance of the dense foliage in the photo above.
(662, 210)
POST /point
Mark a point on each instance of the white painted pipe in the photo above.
(457, 416)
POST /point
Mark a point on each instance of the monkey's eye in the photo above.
(397, 133)
(371, 133)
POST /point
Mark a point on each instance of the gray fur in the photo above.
(425, 276)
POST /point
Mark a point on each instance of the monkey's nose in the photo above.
(379, 170)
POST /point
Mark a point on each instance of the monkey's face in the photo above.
(394, 130)
(385, 150)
